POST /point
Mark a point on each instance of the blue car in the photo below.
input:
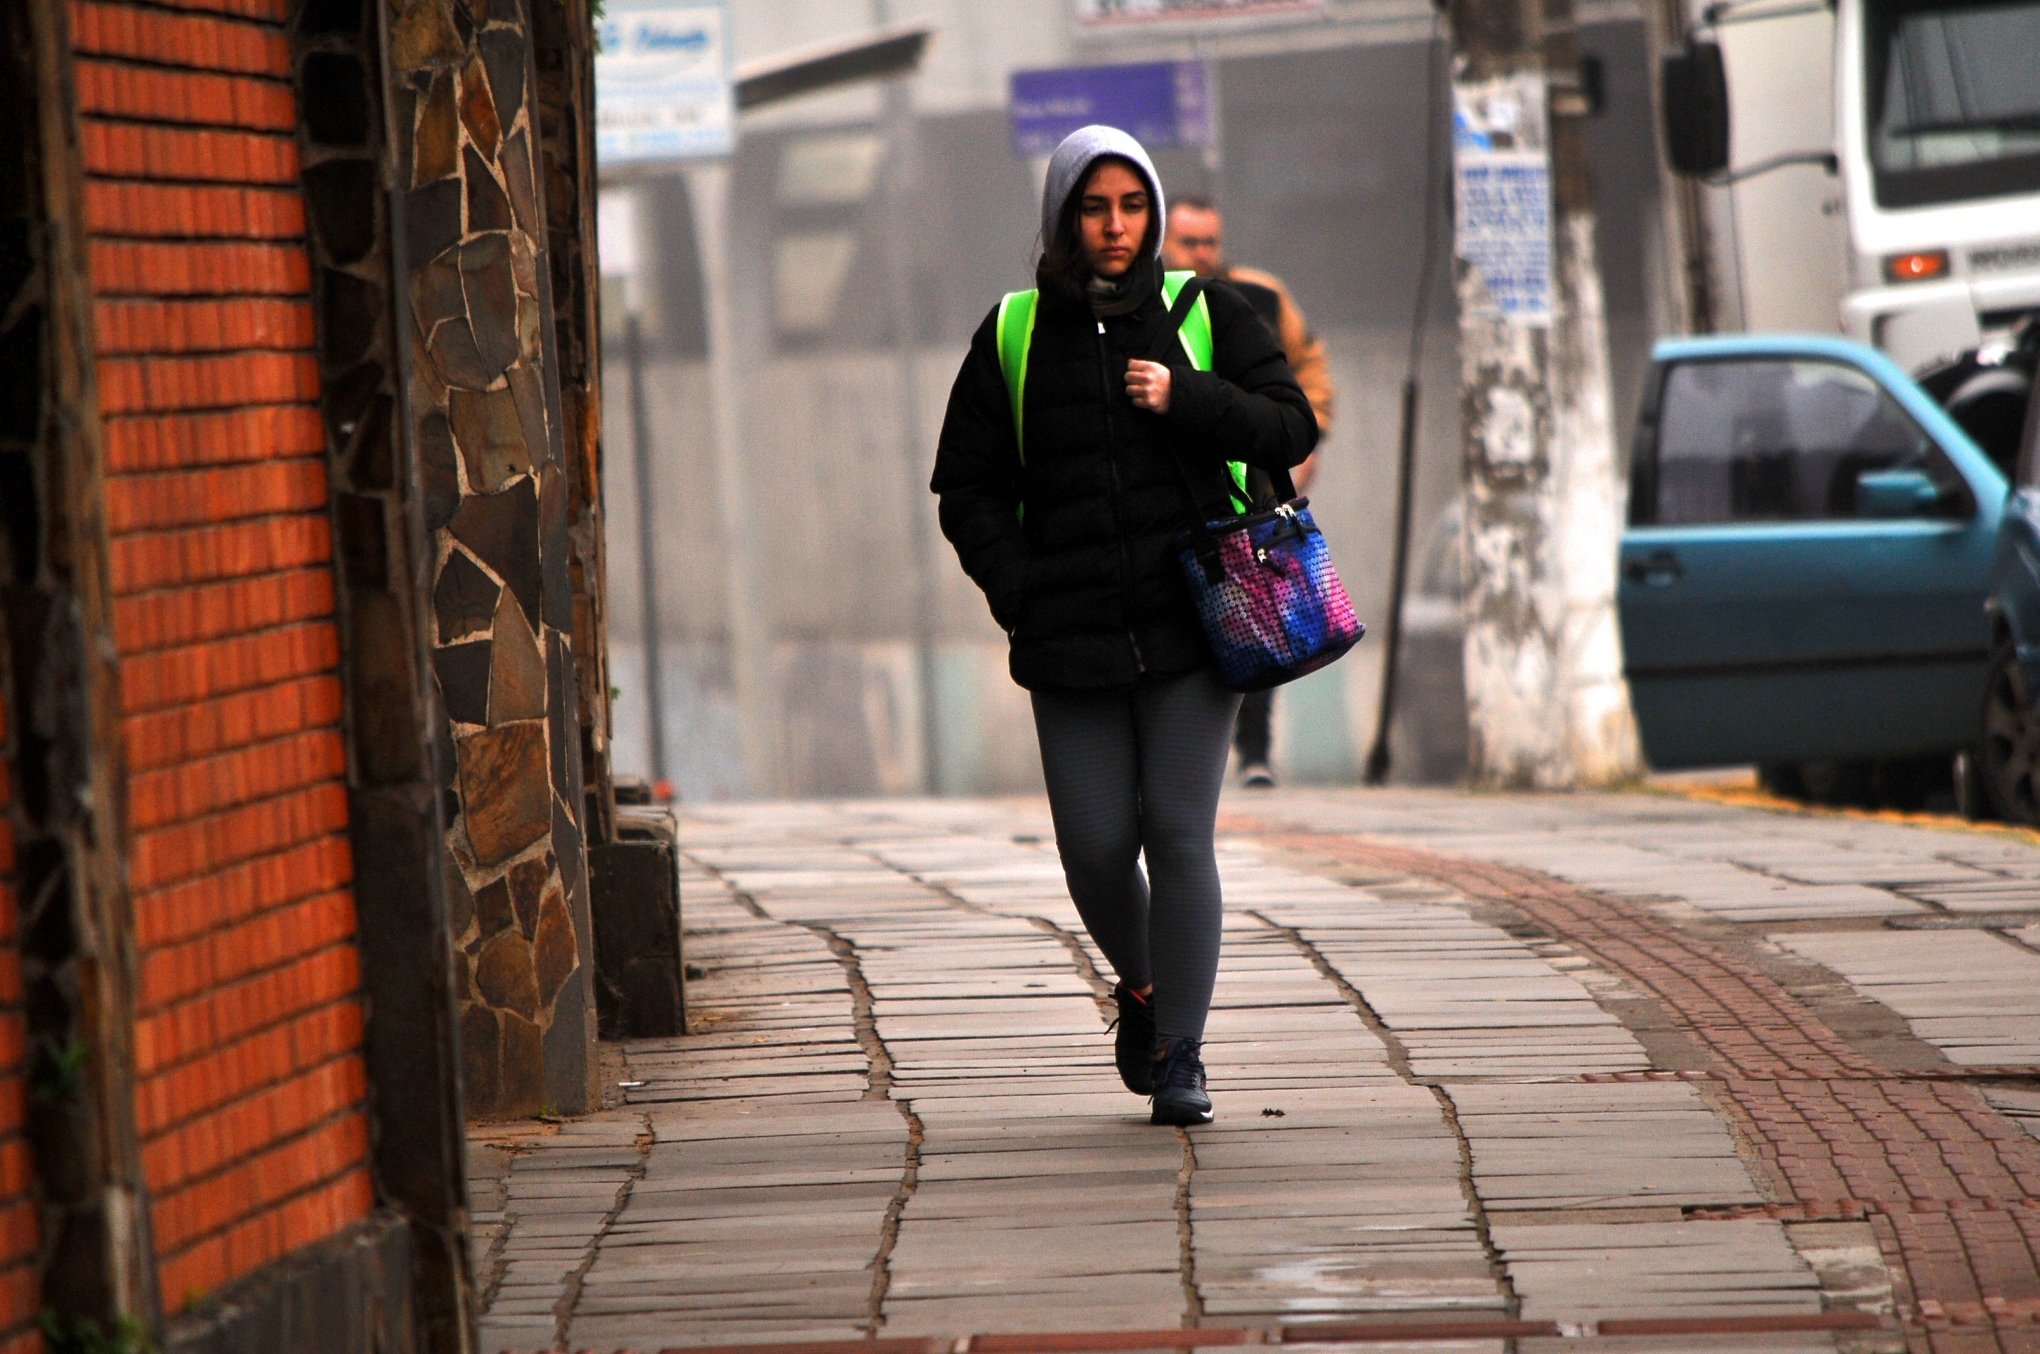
(2008, 747)
(1804, 569)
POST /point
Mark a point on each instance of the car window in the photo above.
(1778, 440)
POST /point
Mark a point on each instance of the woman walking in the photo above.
(1065, 510)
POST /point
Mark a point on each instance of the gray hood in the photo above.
(1073, 157)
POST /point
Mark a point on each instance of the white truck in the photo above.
(1901, 204)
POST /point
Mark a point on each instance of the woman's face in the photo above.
(1112, 218)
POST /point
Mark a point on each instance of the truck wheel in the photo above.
(2009, 750)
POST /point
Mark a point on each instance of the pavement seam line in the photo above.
(570, 1292)
(495, 1261)
(1186, 1237)
(879, 1086)
(878, 1074)
(1399, 1060)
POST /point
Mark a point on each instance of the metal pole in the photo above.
(746, 623)
(1376, 771)
(899, 135)
(648, 570)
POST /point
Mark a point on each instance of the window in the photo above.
(1775, 440)
(1954, 109)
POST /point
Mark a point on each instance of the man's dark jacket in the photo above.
(1085, 580)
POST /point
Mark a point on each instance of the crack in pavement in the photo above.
(570, 1291)
(879, 1085)
(1193, 1299)
(1399, 1061)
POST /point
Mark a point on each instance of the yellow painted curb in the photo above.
(1743, 792)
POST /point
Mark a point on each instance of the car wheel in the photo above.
(2009, 751)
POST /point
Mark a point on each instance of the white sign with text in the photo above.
(662, 82)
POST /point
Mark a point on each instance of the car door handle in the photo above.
(1659, 568)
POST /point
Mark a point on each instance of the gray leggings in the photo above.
(1132, 773)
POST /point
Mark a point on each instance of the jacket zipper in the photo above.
(1118, 512)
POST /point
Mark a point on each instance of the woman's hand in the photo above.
(1147, 385)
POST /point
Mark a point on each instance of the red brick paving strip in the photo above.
(1949, 1184)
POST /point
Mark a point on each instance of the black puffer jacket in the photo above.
(1085, 581)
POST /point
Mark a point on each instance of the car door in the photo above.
(1804, 567)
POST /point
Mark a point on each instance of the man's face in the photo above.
(1195, 240)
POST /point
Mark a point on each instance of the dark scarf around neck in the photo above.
(1124, 296)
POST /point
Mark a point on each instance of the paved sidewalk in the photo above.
(1530, 1072)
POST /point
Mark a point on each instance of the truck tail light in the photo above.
(1916, 267)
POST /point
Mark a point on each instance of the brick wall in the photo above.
(19, 1283)
(250, 1088)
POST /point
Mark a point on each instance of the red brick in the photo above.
(267, 11)
(219, 438)
(188, 850)
(198, 41)
(193, 1273)
(233, 1132)
(245, 1191)
(199, 672)
(20, 1302)
(197, 268)
(188, 211)
(128, 150)
(156, 502)
(225, 897)
(145, 561)
(161, 620)
(151, 326)
(178, 972)
(191, 1089)
(118, 90)
(193, 789)
(183, 733)
(190, 1029)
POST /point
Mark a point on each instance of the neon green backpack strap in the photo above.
(1196, 329)
(1016, 335)
(1195, 334)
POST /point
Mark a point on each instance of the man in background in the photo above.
(1195, 240)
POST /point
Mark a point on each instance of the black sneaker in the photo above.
(1179, 1096)
(1134, 1049)
(1257, 776)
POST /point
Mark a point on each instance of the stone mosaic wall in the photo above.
(565, 99)
(482, 405)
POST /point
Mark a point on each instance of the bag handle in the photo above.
(1200, 531)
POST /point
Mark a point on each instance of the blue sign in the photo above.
(1159, 103)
